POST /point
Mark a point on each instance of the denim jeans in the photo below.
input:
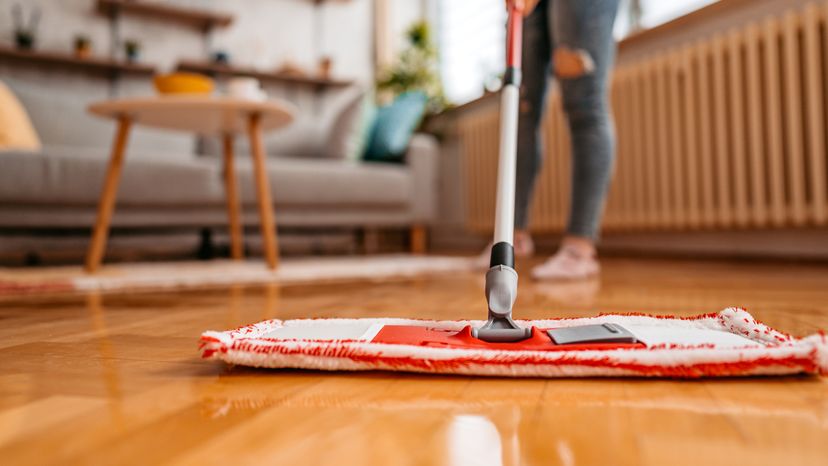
(579, 32)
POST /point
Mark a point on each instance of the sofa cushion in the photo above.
(350, 129)
(74, 176)
(340, 130)
(395, 124)
(303, 138)
(16, 130)
(315, 183)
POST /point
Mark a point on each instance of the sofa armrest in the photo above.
(423, 159)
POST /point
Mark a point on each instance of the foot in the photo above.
(569, 263)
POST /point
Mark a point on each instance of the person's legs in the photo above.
(583, 54)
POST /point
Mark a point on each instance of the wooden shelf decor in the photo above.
(96, 65)
(202, 20)
(219, 70)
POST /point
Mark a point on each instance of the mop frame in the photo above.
(771, 353)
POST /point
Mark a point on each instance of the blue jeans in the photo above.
(579, 31)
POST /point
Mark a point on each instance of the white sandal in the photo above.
(567, 264)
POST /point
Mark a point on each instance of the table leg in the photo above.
(418, 239)
(107, 200)
(266, 216)
(232, 194)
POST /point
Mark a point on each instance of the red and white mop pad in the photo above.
(730, 343)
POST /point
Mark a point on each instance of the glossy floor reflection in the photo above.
(116, 379)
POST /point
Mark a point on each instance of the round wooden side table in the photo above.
(223, 117)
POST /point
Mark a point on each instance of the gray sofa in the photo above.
(165, 185)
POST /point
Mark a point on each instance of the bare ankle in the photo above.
(524, 247)
(584, 246)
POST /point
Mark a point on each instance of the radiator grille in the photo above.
(727, 132)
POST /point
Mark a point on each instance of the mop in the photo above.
(728, 343)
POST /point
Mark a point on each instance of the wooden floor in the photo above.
(117, 380)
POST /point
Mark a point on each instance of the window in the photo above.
(653, 13)
(470, 35)
(658, 11)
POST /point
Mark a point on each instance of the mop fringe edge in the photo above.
(776, 353)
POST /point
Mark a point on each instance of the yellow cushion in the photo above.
(16, 130)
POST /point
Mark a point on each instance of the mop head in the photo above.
(729, 343)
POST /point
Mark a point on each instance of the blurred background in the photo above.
(720, 111)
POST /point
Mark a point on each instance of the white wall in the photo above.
(264, 34)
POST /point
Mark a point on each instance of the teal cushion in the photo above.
(363, 132)
(394, 125)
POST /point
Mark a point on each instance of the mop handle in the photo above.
(514, 35)
(503, 250)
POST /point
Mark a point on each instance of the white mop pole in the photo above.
(502, 279)
(504, 228)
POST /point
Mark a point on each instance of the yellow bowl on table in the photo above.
(183, 83)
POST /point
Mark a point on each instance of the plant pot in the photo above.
(24, 40)
(83, 47)
(83, 52)
(132, 51)
(221, 57)
(325, 67)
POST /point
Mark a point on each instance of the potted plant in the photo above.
(132, 48)
(25, 34)
(24, 39)
(221, 57)
(83, 46)
(416, 70)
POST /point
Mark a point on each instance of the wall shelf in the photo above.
(219, 70)
(96, 65)
(202, 20)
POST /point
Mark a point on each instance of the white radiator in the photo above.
(727, 132)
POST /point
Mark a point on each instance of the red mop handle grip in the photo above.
(514, 34)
